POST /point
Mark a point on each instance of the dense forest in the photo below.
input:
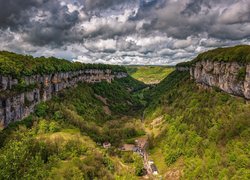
(18, 65)
(63, 138)
(203, 133)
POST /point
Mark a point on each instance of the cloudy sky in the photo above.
(122, 31)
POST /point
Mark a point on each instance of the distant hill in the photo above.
(149, 74)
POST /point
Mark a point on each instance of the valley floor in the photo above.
(124, 129)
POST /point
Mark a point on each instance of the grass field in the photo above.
(149, 74)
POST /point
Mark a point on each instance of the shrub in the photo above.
(241, 74)
(41, 109)
(54, 127)
(172, 156)
(43, 126)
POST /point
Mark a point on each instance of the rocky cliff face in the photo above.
(16, 106)
(231, 77)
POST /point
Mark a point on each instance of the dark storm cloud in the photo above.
(195, 6)
(13, 13)
(102, 4)
(42, 21)
(181, 19)
(123, 31)
(57, 29)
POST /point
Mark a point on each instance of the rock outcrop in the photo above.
(16, 106)
(231, 77)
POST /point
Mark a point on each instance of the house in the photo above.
(106, 145)
(154, 169)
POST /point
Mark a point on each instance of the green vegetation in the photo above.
(185, 64)
(60, 139)
(206, 130)
(18, 65)
(242, 74)
(39, 153)
(239, 54)
(193, 132)
(118, 95)
(149, 74)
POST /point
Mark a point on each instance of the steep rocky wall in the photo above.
(20, 105)
(231, 77)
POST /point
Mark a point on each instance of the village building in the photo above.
(106, 145)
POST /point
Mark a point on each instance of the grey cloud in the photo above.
(123, 31)
(101, 4)
(236, 13)
(181, 19)
(13, 12)
(57, 29)
(232, 32)
(195, 7)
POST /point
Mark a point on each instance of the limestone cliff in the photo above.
(225, 68)
(15, 105)
(231, 77)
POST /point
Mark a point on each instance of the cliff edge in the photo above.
(26, 81)
(225, 68)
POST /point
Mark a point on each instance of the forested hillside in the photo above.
(200, 133)
(191, 130)
(125, 90)
(18, 65)
(63, 138)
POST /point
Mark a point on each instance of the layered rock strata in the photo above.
(231, 77)
(20, 105)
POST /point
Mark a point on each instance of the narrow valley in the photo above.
(98, 122)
